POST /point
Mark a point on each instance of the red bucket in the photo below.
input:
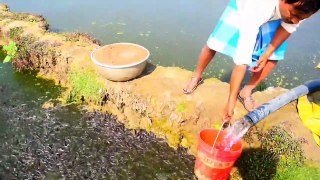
(217, 164)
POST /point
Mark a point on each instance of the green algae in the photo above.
(85, 86)
(166, 130)
(182, 107)
(188, 139)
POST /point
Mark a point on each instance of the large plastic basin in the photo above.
(120, 61)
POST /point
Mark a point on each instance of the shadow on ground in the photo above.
(148, 70)
(257, 163)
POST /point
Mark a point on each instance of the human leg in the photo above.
(257, 78)
(205, 57)
(237, 77)
(264, 39)
(223, 39)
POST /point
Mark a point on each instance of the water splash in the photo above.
(234, 133)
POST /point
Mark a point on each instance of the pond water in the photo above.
(173, 30)
(67, 143)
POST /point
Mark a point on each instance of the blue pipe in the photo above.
(265, 109)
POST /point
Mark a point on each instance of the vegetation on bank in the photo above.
(310, 172)
(10, 50)
(84, 86)
(279, 156)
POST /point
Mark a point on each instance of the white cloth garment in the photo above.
(253, 14)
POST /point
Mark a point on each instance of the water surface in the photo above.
(174, 32)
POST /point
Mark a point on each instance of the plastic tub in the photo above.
(120, 61)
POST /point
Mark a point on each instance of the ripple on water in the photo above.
(65, 143)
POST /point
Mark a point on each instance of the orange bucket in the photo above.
(214, 163)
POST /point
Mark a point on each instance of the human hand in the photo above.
(228, 112)
(260, 64)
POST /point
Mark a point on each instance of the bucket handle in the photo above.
(224, 124)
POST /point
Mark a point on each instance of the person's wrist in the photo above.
(267, 54)
(264, 58)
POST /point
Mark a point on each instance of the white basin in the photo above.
(120, 61)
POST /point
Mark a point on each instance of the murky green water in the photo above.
(66, 143)
(173, 31)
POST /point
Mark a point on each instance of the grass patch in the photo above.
(278, 157)
(261, 87)
(23, 59)
(182, 107)
(79, 36)
(299, 173)
(15, 32)
(85, 86)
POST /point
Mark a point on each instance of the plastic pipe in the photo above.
(265, 109)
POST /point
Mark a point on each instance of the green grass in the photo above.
(261, 87)
(84, 85)
(305, 172)
(279, 157)
(182, 107)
